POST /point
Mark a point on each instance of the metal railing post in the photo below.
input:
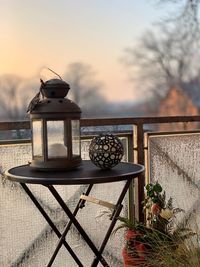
(138, 146)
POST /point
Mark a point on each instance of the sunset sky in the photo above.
(37, 33)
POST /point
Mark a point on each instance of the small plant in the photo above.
(159, 236)
(160, 214)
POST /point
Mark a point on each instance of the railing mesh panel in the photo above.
(25, 237)
(174, 161)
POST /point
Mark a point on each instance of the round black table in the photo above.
(85, 174)
(89, 174)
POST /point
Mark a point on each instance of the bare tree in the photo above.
(182, 19)
(183, 11)
(15, 94)
(85, 90)
(167, 55)
(9, 102)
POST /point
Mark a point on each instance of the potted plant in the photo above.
(160, 233)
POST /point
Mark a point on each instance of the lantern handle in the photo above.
(55, 73)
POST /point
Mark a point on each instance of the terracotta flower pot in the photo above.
(134, 251)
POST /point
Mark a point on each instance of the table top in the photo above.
(86, 173)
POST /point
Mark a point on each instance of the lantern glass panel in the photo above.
(55, 139)
(37, 138)
(75, 137)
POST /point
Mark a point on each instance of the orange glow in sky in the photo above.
(56, 33)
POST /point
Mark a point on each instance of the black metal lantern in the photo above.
(55, 123)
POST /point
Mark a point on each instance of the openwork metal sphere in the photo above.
(106, 151)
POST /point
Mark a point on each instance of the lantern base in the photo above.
(56, 165)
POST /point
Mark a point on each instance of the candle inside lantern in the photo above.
(57, 150)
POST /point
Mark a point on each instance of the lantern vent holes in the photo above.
(48, 101)
(60, 101)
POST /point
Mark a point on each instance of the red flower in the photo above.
(155, 209)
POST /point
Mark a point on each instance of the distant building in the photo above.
(180, 100)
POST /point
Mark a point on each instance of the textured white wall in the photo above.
(174, 161)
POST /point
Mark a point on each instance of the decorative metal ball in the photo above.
(106, 151)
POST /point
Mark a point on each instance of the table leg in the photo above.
(77, 225)
(52, 225)
(80, 205)
(114, 218)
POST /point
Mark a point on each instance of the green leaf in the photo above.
(157, 188)
(149, 187)
(154, 199)
(150, 193)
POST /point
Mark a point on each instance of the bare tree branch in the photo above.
(14, 97)
(159, 61)
(184, 14)
(85, 90)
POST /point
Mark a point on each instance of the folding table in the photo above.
(88, 174)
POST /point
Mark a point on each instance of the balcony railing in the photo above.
(141, 147)
(135, 139)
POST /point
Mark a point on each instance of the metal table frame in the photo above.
(86, 174)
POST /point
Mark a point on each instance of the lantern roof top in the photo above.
(54, 101)
(56, 105)
(54, 88)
